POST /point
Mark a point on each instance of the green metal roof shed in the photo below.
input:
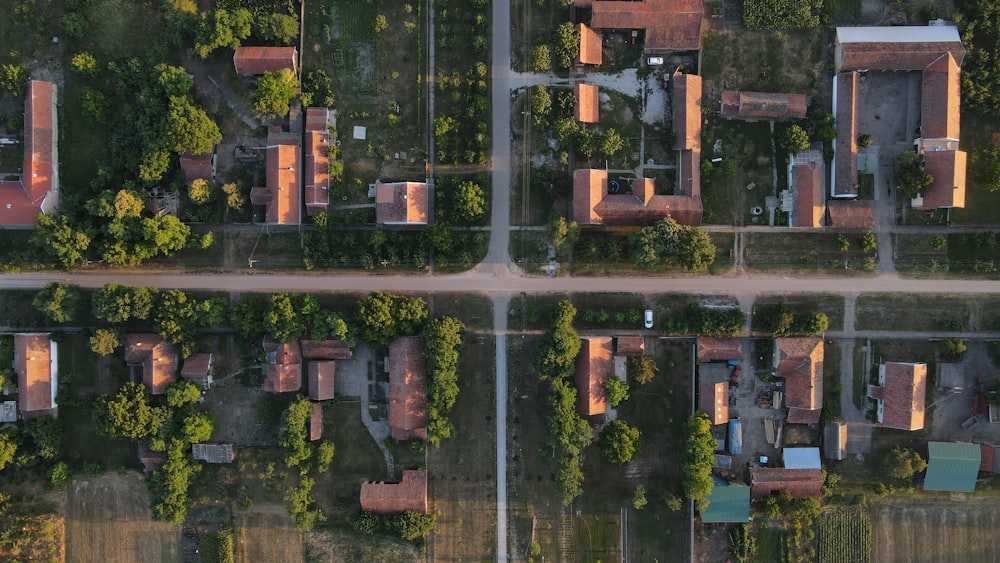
(952, 467)
(728, 503)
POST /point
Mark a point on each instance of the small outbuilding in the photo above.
(835, 440)
(728, 503)
(213, 453)
(952, 467)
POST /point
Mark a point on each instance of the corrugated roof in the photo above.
(402, 203)
(197, 167)
(835, 440)
(321, 376)
(213, 453)
(952, 467)
(941, 99)
(35, 192)
(157, 357)
(590, 46)
(593, 366)
(846, 165)
(258, 60)
(587, 107)
(317, 162)
(989, 458)
(727, 504)
(198, 365)
(905, 394)
(284, 157)
(36, 366)
(410, 494)
(590, 186)
(801, 458)
(593, 205)
(669, 25)
(407, 388)
(686, 110)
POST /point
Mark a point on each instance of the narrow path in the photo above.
(859, 429)
(500, 306)
(429, 85)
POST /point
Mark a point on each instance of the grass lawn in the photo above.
(916, 256)
(789, 61)
(831, 377)
(831, 305)
(601, 253)
(529, 250)
(476, 311)
(727, 201)
(803, 252)
(913, 312)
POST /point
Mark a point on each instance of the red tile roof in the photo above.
(593, 205)
(896, 56)
(321, 375)
(846, 165)
(198, 365)
(317, 162)
(284, 366)
(851, 213)
(157, 357)
(316, 422)
(37, 381)
(948, 169)
(763, 105)
(989, 458)
(905, 394)
(197, 167)
(258, 60)
(686, 109)
(407, 389)
(941, 99)
(387, 498)
(593, 366)
(719, 349)
(809, 200)
(587, 107)
(713, 400)
(326, 350)
(402, 203)
(799, 361)
(37, 190)
(630, 345)
(282, 196)
(590, 46)
(670, 25)
(800, 483)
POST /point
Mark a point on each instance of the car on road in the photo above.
(654, 61)
(649, 318)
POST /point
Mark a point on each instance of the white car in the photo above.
(654, 61)
(649, 318)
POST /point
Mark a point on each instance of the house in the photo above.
(760, 105)
(799, 362)
(630, 345)
(283, 371)
(801, 458)
(593, 366)
(316, 423)
(402, 203)
(36, 363)
(952, 467)
(800, 483)
(590, 46)
(250, 61)
(197, 167)
(325, 350)
(321, 374)
(198, 369)
(587, 107)
(851, 213)
(37, 190)
(729, 503)
(666, 25)
(317, 160)
(719, 349)
(835, 440)
(900, 395)
(807, 179)
(150, 460)
(407, 389)
(213, 453)
(281, 196)
(157, 357)
(410, 494)
(936, 52)
(713, 400)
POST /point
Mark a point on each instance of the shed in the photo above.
(735, 436)
(8, 411)
(802, 458)
(835, 440)
(727, 503)
(316, 423)
(990, 458)
(213, 453)
(410, 494)
(952, 467)
(951, 377)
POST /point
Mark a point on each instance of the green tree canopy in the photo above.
(281, 320)
(182, 393)
(8, 447)
(911, 178)
(566, 44)
(292, 435)
(669, 242)
(697, 459)
(795, 139)
(128, 414)
(611, 143)
(104, 342)
(274, 92)
(221, 28)
(118, 303)
(189, 129)
(541, 58)
(277, 29)
(904, 463)
(470, 203)
(615, 391)
(198, 427)
(247, 315)
(59, 240)
(383, 317)
(619, 441)
(642, 369)
(562, 234)
(58, 301)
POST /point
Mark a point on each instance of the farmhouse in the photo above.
(250, 61)
(37, 191)
(593, 366)
(799, 362)
(590, 52)
(900, 395)
(402, 203)
(157, 357)
(587, 107)
(407, 389)
(728, 503)
(952, 467)
(761, 105)
(410, 494)
(36, 363)
(800, 483)
(807, 179)
(713, 400)
(321, 374)
(283, 366)
(317, 160)
(198, 369)
(666, 25)
(281, 196)
(213, 453)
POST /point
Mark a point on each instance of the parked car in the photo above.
(649, 318)
(734, 378)
(654, 61)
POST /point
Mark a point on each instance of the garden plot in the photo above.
(932, 531)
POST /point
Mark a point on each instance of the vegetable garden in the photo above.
(845, 535)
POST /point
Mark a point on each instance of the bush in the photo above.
(619, 441)
(60, 474)
(541, 58)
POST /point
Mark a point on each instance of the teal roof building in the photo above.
(727, 504)
(952, 467)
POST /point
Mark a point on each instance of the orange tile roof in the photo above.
(905, 394)
(846, 165)
(317, 162)
(800, 483)
(719, 349)
(593, 366)
(197, 167)
(284, 366)
(402, 203)
(258, 60)
(851, 213)
(316, 422)
(799, 361)
(590, 46)
(809, 201)
(326, 350)
(37, 381)
(321, 376)
(589, 187)
(630, 345)
(686, 109)
(387, 498)
(941, 99)
(593, 205)
(670, 25)
(157, 357)
(407, 389)
(37, 190)
(198, 365)
(588, 104)
(713, 400)
(763, 105)
(283, 168)
(948, 170)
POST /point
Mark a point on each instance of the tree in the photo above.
(669, 242)
(46, 433)
(104, 342)
(277, 29)
(865, 141)
(84, 64)
(181, 394)
(201, 191)
(60, 474)
(842, 243)
(795, 139)
(619, 441)
(56, 238)
(292, 435)
(324, 456)
(384, 316)
(381, 24)
(937, 242)
(128, 415)
(470, 203)
(642, 369)
(234, 198)
(904, 463)
(743, 544)
(189, 129)
(8, 447)
(117, 303)
(14, 79)
(562, 234)
(414, 525)
(867, 242)
(324, 325)
(697, 459)
(281, 320)
(611, 143)
(176, 320)
(615, 391)
(247, 316)
(59, 302)
(318, 85)
(639, 498)
(541, 104)
(442, 339)
(911, 178)
(95, 105)
(274, 92)
(74, 24)
(952, 348)
(198, 427)
(541, 58)
(986, 158)
(221, 28)
(566, 44)
(168, 486)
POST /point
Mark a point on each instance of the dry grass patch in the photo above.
(267, 534)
